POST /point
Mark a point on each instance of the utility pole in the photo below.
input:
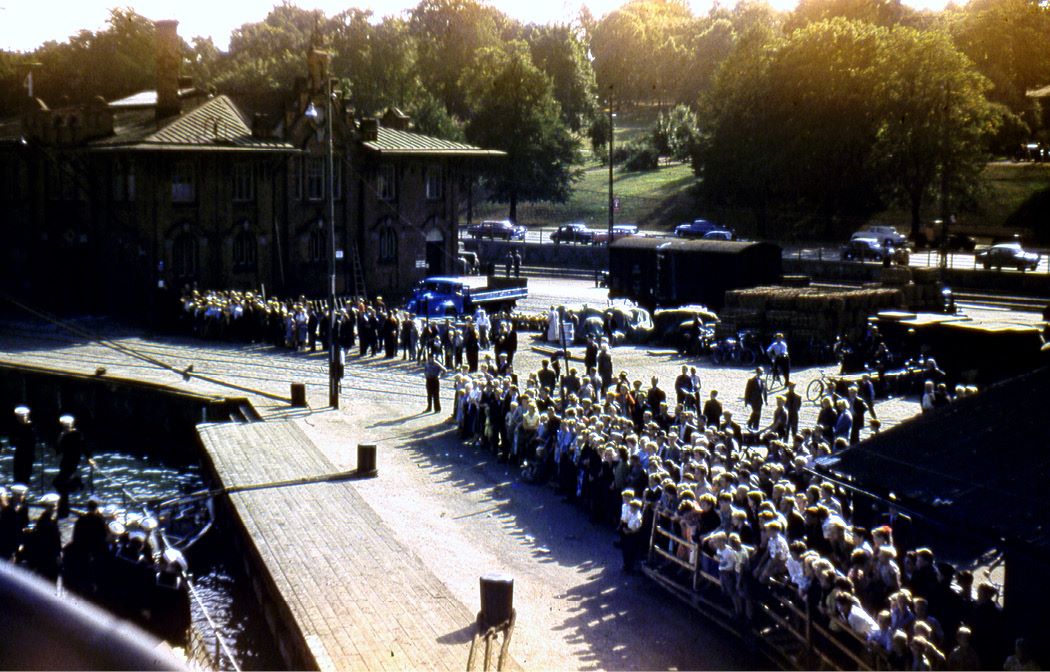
(333, 347)
(611, 198)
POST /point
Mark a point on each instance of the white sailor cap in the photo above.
(173, 557)
(109, 511)
(50, 499)
(132, 520)
(116, 528)
(21, 410)
(67, 420)
(19, 489)
(149, 524)
(138, 535)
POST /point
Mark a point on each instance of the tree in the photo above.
(268, 56)
(934, 122)
(1007, 41)
(640, 48)
(878, 12)
(515, 111)
(378, 60)
(839, 116)
(675, 133)
(557, 51)
(448, 35)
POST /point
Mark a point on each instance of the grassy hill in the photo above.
(660, 199)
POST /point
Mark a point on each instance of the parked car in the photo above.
(1008, 254)
(863, 249)
(624, 230)
(503, 229)
(960, 242)
(695, 229)
(718, 234)
(574, 233)
(887, 235)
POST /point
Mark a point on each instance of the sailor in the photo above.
(43, 544)
(89, 532)
(70, 447)
(14, 518)
(23, 437)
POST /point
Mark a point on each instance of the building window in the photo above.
(244, 250)
(243, 182)
(183, 183)
(295, 172)
(123, 181)
(184, 256)
(387, 245)
(435, 183)
(318, 243)
(315, 178)
(386, 183)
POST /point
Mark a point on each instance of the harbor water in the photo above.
(126, 480)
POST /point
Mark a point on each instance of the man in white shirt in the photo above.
(778, 354)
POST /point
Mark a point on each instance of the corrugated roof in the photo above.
(980, 463)
(214, 126)
(681, 244)
(394, 142)
(146, 99)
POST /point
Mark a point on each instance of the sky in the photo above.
(26, 24)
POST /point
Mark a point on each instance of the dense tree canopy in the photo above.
(831, 111)
(515, 111)
(840, 116)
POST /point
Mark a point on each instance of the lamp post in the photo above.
(333, 348)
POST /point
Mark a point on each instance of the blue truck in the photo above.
(451, 296)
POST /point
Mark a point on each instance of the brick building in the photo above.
(102, 204)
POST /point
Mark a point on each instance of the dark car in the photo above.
(697, 228)
(574, 233)
(863, 249)
(1008, 254)
(960, 242)
(503, 229)
(718, 234)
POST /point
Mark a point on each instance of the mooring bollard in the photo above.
(497, 599)
(299, 395)
(366, 460)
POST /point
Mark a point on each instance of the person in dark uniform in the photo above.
(794, 403)
(14, 518)
(590, 355)
(755, 394)
(23, 437)
(70, 447)
(517, 263)
(432, 371)
(43, 544)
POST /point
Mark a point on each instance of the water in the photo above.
(122, 478)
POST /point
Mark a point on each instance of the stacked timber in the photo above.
(819, 314)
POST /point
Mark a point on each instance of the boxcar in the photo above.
(658, 272)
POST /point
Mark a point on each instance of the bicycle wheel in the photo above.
(815, 390)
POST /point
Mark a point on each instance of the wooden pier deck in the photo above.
(357, 597)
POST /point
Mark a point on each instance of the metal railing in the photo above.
(800, 641)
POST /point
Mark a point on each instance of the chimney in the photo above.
(369, 130)
(167, 68)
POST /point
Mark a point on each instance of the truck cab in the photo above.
(450, 296)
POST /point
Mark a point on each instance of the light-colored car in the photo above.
(1008, 254)
(887, 235)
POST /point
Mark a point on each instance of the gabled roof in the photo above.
(391, 142)
(981, 463)
(216, 125)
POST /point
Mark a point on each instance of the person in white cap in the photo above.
(70, 447)
(14, 518)
(23, 437)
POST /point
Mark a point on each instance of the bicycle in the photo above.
(821, 387)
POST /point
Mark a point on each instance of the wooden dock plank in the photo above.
(360, 598)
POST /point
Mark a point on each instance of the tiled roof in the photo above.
(214, 126)
(394, 142)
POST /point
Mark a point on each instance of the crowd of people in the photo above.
(741, 499)
(108, 558)
(744, 501)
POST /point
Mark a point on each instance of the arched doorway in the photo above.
(435, 252)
